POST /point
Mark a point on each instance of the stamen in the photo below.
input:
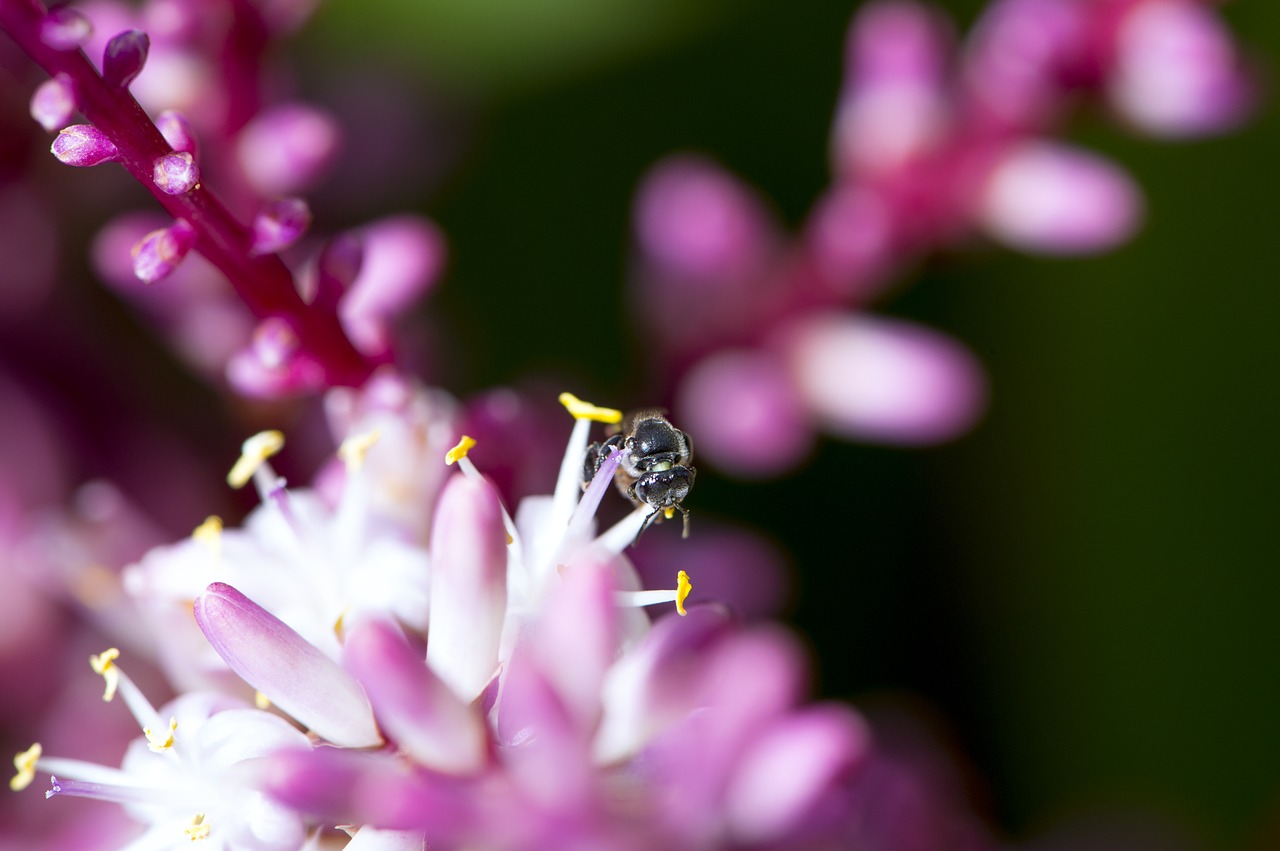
(261, 701)
(683, 587)
(354, 448)
(117, 792)
(460, 451)
(198, 828)
(209, 533)
(25, 763)
(141, 709)
(157, 744)
(458, 454)
(253, 454)
(586, 411)
(104, 664)
(653, 598)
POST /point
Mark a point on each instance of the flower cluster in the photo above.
(484, 680)
(323, 321)
(934, 143)
(389, 658)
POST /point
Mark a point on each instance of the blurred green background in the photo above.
(1086, 586)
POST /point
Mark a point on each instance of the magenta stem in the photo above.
(263, 283)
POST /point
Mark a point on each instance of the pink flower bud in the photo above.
(287, 148)
(1051, 198)
(1177, 73)
(83, 145)
(54, 102)
(279, 224)
(885, 380)
(176, 174)
(177, 131)
(124, 57)
(159, 252)
(746, 412)
(65, 29)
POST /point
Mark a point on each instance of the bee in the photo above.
(655, 471)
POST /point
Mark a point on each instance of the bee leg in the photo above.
(648, 521)
(684, 513)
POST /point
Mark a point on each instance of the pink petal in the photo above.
(413, 706)
(468, 586)
(291, 672)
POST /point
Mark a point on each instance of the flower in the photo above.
(547, 711)
(187, 778)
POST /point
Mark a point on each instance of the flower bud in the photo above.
(159, 252)
(65, 29)
(54, 102)
(279, 224)
(176, 174)
(124, 56)
(83, 145)
(176, 130)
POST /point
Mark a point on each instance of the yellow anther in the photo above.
(104, 664)
(683, 587)
(261, 701)
(586, 411)
(460, 451)
(253, 452)
(668, 513)
(25, 763)
(354, 448)
(154, 740)
(198, 828)
(209, 533)
(340, 627)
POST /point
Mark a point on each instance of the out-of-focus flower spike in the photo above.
(291, 672)
(54, 102)
(403, 257)
(279, 224)
(176, 173)
(468, 586)
(414, 706)
(160, 252)
(885, 380)
(1177, 72)
(124, 57)
(176, 130)
(1047, 197)
(286, 149)
(64, 28)
(789, 771)
(83, 145)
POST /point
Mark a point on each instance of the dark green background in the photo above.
(1087, 585)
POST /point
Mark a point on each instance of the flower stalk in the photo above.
(262, 281)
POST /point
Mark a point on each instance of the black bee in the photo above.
(655, 471)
